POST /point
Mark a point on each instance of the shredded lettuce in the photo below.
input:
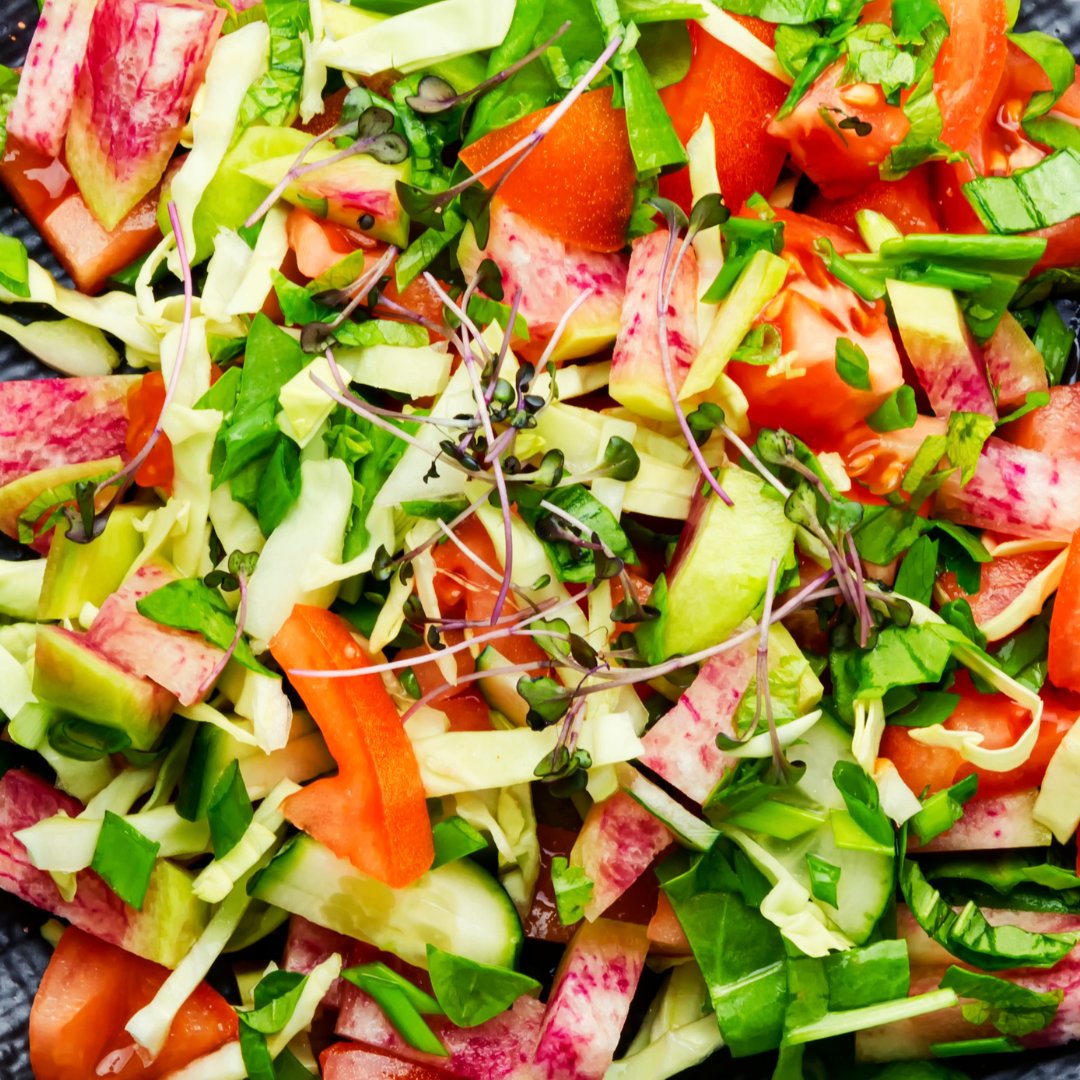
(720, 25)
(20, 587)
(65, 345)
(1058, 804)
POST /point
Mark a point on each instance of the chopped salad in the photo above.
(552, 551)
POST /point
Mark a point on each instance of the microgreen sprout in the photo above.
(434, 95)
(212, 676)
(316, 336)
(374, 135)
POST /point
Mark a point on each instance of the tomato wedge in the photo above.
(372, 813)
(740, 99)
(1003, 580)
(1051, 429)
(145, 402)
(578, 184)
(908, 203)
(348, 1061)
(89, 992)
(1064, 647)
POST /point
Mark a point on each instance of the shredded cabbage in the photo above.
(1029, 603)
(869, 728)
(417, 39)
(235, 525)
(238, 60)
(20, 587)
(65, 345)
(477, 760)
(704, 180)
(257, 280)
(760, 746)
(897, 799)
(1058, 804)
(314, 81)
(315, 525)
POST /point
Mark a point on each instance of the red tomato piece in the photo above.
(1003, 580)
(578, 184)
(666, 935)
(145, 402)
(373, 812)
(89, 992)
(740, 99)
(1051, 429)
(1064, 646)
(909, 203)
(49, 197)
(811, 312)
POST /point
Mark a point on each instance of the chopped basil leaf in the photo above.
(455, 839)
(1012, 1009)
(1039, 197)
(1058, 63)
(276, 997)
(824, 877)
(896, 413)
(928, 708)
(472, 993)
(852, 364)
(405, 1005)
(868, 975)
(573, 889)
(124, 859)
(653, 141)
(258, 1064)
(904, 656)
(942, 810)
(965, 440)
(973, 1047)
(229, 811)
(860, 795)
(1055, 341)
(14, 266)
(274, 99)
(1035, 399)
(189, 604)
(9, 87)
(279, 485)
(918, 571)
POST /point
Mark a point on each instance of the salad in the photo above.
(552, 550)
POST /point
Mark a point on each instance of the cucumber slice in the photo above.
(500, 691)
(687, 828)
(459, 907)
(867, 878)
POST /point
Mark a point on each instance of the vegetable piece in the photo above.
(1050, 429)
(909, 203)
(740, 98)
(133, 97)
(590, 999)
(89, 990)
(681, 747)
(39, 116)
(175, 659)
(56, 422)
(347, 1061)
(44, 191)
(472, 993)
(805, 395)
(941, 349)
(373, 812)
(582, 199)
(638, 379)
(619, 840)
(496, 1049)
(1064, 649)
(1015, 364)
(552, 279)
(1017, 492)
(164, 930)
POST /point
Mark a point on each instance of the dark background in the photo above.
(23, 952)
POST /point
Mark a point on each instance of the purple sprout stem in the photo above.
(500, 357)
(748, 453)
(475, 676)
(863, 609)
(364, 284)
(241, 618)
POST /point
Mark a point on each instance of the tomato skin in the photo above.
(145, 402)
(89, 992)
(1051, 429)
(1001, 722)
(578, 184)
(739, 98)
(811, 312)
(909, 203)
(1003, 580)
(350, 1061)
(1064, 647)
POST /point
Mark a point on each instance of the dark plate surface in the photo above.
(23, 952)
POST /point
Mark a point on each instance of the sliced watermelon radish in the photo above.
(308, 945)
(940, 347)
(175, 659)
(144, 62)
(495, 1050)
(589, 1001)
(1016, 367)
(39, 116)
(1017, 492)
(551, 277)
(681, 747)
(638, 380)
(994, 824)
(50, 422)
(163, 931)
(617, 843)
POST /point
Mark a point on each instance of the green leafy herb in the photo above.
(472, 993)
(653, 141)
(455, 839)
(405, 1005)
(918, 571)
(1012, 1009)
(1055, 341)
(229, 811)
(275, 999)
(964, 441)
(926, 709)
(942, 810)
(14, 264)
(189, 604)
(279, 485)
(1039, 197)
(9, 87)
(976, 1047)
(866, 976)
(904, 656)
(860, 796)
(1056, 60)
(824, 878)
(125, 859)
(1035, 399)
(573, 890)
(852, 364)
(274, 98)
(896, 413)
